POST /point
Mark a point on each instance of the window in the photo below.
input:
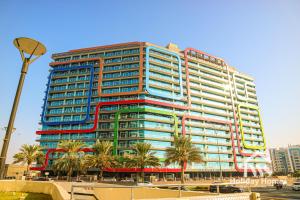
(77, 109)
(79, 93)
(69, 102)
(70, 94)
(76, 117)
(67, 118)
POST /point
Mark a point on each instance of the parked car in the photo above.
(296, 186)
(110, 179)
(225, 189)
(41, 178)
(145, 183)
(9, 177)
(130, 180)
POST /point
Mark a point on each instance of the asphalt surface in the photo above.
(283, 194)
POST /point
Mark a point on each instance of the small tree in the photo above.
(142, 158)
(28, 154)
(102, 157)
(296, 174)
(181, 152)
(71, 157)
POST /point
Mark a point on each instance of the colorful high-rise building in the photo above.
(141, 92)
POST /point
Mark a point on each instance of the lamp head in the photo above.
(30, 46)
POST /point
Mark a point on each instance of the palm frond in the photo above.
(143, 156)
(102, 157)
(28, 154)
(182, 151)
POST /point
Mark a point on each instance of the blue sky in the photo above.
(260, 38)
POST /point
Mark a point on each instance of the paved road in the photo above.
(284, 194)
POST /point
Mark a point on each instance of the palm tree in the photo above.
(28, 154)
(70, 160)
(81, 166)
(123, 161)
(102, 157)
(181, 152)
(143, 157)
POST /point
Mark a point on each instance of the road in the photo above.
(284, 194)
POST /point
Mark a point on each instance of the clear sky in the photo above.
(259, 37)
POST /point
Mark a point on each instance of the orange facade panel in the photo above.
(140, 84)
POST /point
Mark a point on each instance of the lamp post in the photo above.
(32, 48)
(5, 128)
(221, 173)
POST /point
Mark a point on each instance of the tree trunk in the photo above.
(27, 170)
(100, 175)
(58, 175)
(182, 172)
(142, 174)
(78, 175)
(137, 177)
(70, 174)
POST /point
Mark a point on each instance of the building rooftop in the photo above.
(170, 47)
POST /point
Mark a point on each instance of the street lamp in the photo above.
(220, 165)
(221, 173)
(5, 128)
(30, 47)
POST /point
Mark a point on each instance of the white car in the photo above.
(144, 184)
(296, 186)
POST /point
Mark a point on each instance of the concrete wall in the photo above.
(164, 194)
(153, 193)
(50, 188)
(14, 170)
(242, 196)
